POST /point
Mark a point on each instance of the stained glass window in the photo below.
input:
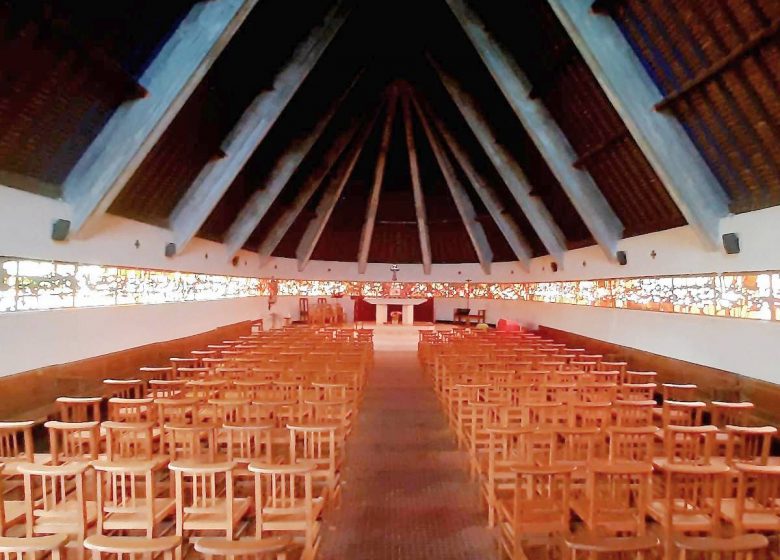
(27, 284)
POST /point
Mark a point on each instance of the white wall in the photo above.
(41, 338)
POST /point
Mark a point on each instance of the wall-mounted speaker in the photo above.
(622, 259)
(60, 230)
(170, 250)
(731, 243)
(554, 266)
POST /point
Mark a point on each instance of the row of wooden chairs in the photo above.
(568, 441)
(243, 456)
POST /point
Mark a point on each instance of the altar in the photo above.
(407, 308)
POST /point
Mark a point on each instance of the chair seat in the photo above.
(62, 518)
(680, 521)
(612, 517)
(751, 520)
(15, 512)
(117, 519)
(215, 520)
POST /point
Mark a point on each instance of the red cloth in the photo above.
(507, 325)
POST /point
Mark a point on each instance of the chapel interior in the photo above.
(389, 280)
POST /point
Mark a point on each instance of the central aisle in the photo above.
(407, 494)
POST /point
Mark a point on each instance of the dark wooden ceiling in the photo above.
(66, 66)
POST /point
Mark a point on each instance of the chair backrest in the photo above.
(255, 549)
(121, 409)
(129, 440)
(749, 444)
(73, 441)
(16, 441)
(248, 442)
(541, 498)
(79, 409)
(227, 410)
(54, 495)
(632, 443)
(166, 388)
(616, 498)
(682, 413)
(126, 388)
(633, 413)
(590, 414)
(318, 442)
(132, 548)
(21, 548)
(724, 414)
(689, 444)
(194, 442)
(176, 410)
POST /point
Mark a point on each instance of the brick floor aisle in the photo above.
(406, 493)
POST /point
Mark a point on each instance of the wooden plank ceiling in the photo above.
(65, 68)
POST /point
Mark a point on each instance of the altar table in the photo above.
(407, 308)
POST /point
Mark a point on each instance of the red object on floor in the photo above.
(507, 325)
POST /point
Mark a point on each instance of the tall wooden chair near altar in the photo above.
(461, 315)
(303, 310)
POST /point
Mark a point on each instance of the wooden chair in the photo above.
(303, 310)
(177, 411)
(756, 507)
(132, 548)
(615, 498)
(320, 444)
(691, 501)
(595, 547)
(17, 446)
(125, 388)
(693, 445)
(79, 409)
(742, 547)
(204, 498)
(73, 441)
(21, 548)
(284, 502)
(540, 505)
(56, 501)
(255, 549)
(128, 499)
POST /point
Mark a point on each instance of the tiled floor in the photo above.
(406, 492)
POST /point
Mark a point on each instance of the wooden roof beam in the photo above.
(459, 195)
(261, 200)
(509, 228)
(588, 200)
(331, 195)
(419, 199)
(257, 120)
(662, 139)
(121, 146)
(313, 181)
(508, 168)
(379, 172)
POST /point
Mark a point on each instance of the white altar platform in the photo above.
(407, 308)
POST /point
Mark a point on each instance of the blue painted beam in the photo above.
(588, 200)
(667, 147)
(134, 128)
(254, 125)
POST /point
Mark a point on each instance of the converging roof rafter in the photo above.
(448, 131)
